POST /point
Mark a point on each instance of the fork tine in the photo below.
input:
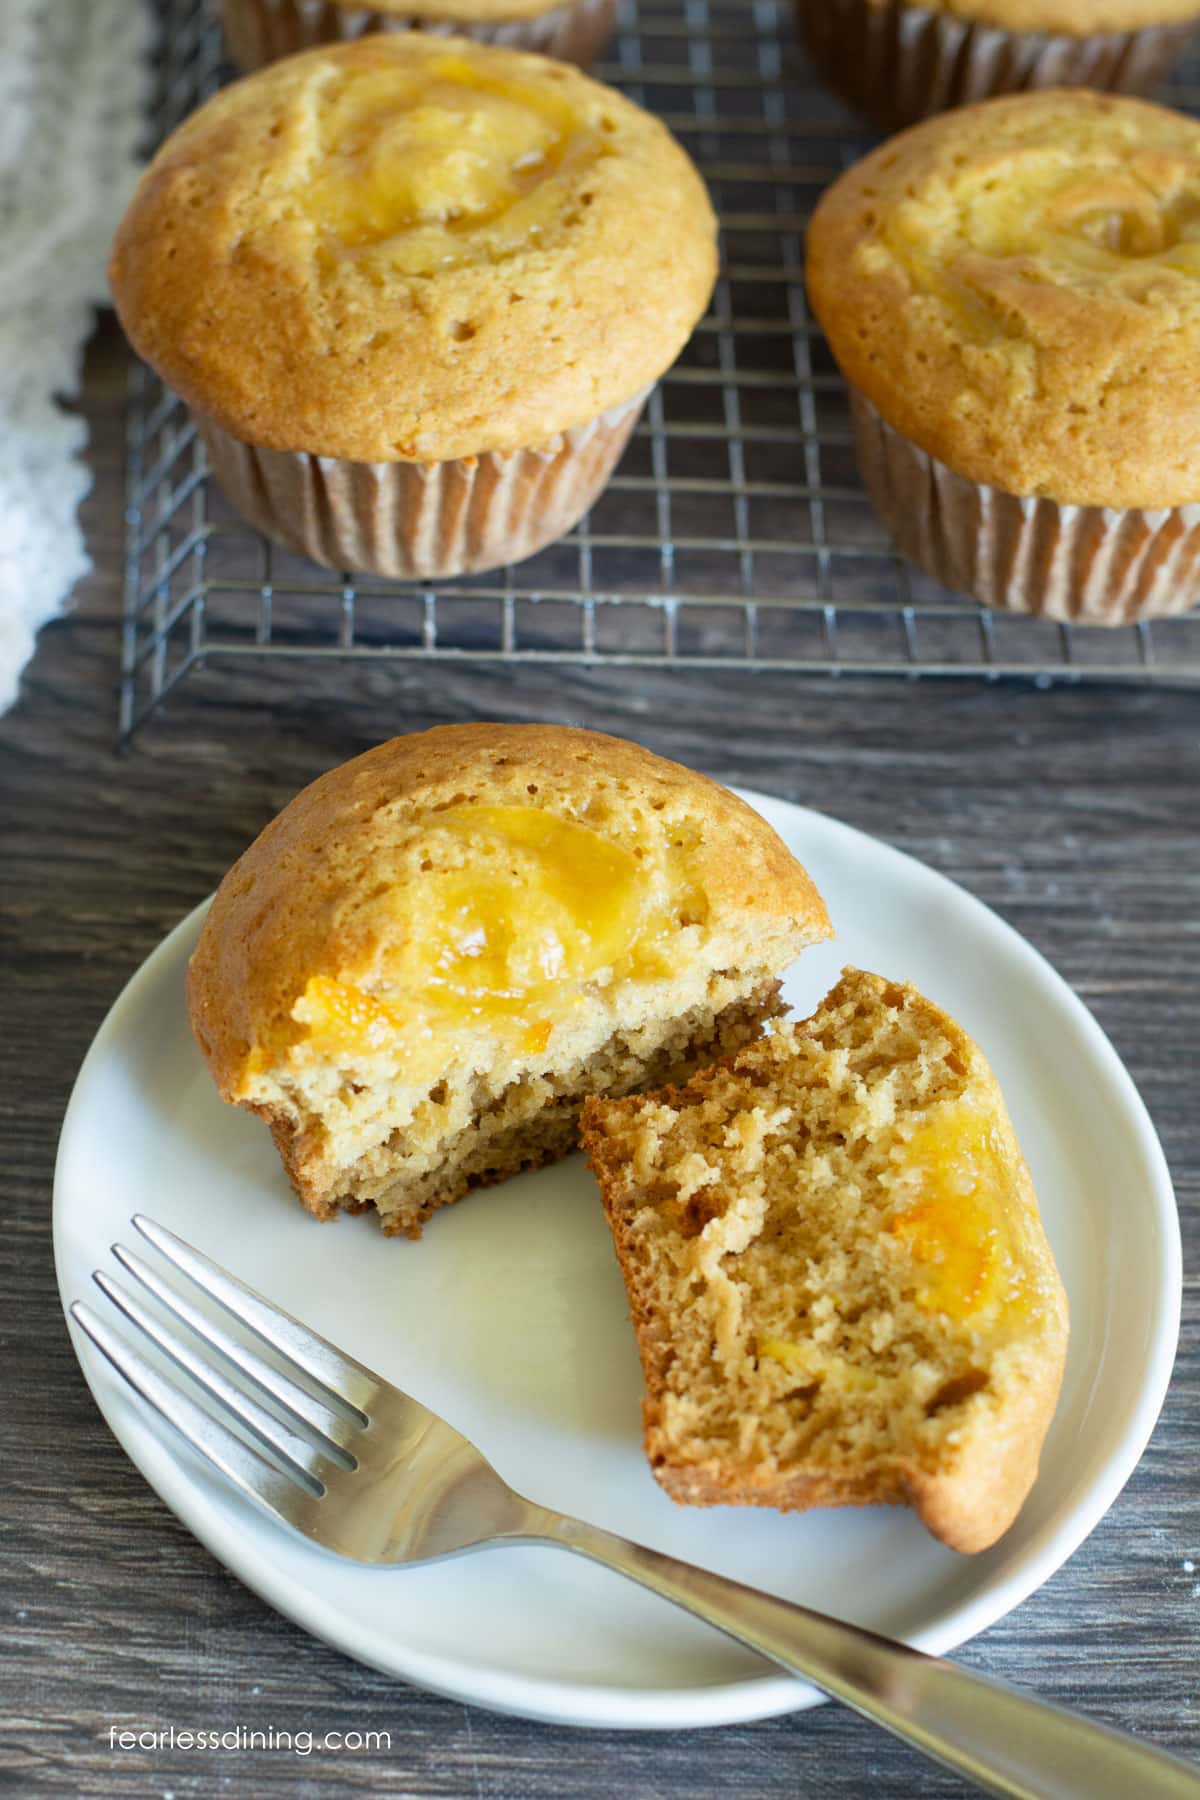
(299, 1456)
(340, 1375)
(334, 1427)
(250, 1473)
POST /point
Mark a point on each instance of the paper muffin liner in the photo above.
(896, 63)
(260, 31)
(420, 521)
(1078, 565)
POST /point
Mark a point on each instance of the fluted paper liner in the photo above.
(1085, 565)
(897, 63)
(421, 521)
(259, 31)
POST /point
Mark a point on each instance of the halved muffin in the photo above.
(837, 1272)
(422, 966)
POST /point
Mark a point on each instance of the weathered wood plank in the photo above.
(1074, 813)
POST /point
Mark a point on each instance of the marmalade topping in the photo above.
(544, 901)
(990, 247)
(517, 910)
(343, 1018)
(435, 166)
(959, 1229)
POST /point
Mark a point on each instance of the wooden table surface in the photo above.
(1074, 814)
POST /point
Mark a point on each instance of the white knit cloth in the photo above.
(72, 92)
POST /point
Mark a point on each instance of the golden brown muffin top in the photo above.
(475, 876)
(1015, 286)
(413, 248)
(1074, 18)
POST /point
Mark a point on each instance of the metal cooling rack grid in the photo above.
(735, 532)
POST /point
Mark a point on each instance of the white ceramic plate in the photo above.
(509, 1318)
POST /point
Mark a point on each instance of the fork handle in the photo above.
(1005, 1741)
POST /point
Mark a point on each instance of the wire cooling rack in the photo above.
(735, 531)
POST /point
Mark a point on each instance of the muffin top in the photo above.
(1074, 18)
(481, 882)
(413, 248)
(1015, 286)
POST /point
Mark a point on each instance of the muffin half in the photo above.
(841, 1287)
(422, 966)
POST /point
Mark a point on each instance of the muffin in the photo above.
(260, 31)
(896, 63)
(1012, 292)
(433, 954)
(841, 1287)
(415, 291)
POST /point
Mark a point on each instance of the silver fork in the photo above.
(373, 1475)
